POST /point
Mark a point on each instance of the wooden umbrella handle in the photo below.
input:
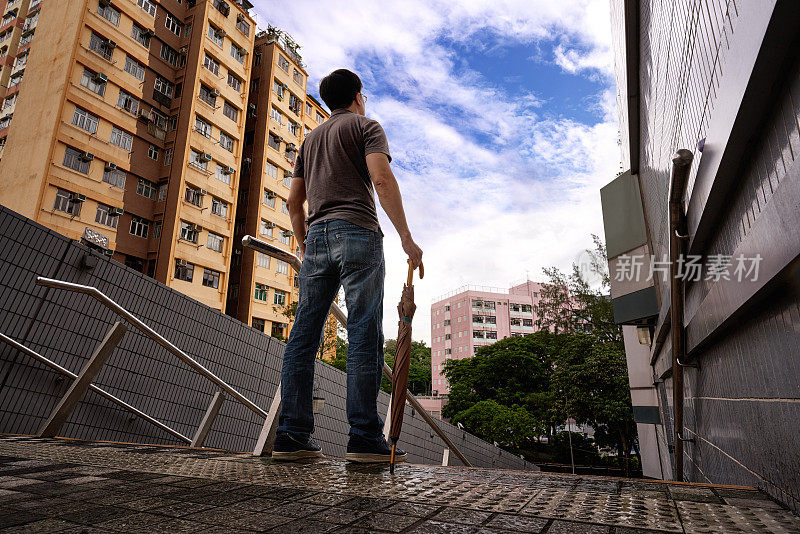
(411, 272)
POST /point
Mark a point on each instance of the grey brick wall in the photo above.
(66, 327)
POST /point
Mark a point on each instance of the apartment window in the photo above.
(309, 109)
(282, 267)
(214, 242)
(101, 46)
(127, 102)
(287, 178)
(261, 292)
(262, 260)
(211, 64)
(198, 159)
(157, 229)
(259, 324)
(148, 6)
(229, 111)
(276, 115)
(209, 96)
(202, 126)
(215, 34)
(65, 202)
(189, 232)
(233, 292)
(277, 88)
(271, 169)
(320, 118)
(168, 157)
(121, 138)
(219, 208)
(306, 130)
(237, 53)
(284, 208)
(283, 63)
(76, 160)
(164, 87)
(108, 12)
(226, 141)
(222, 7)
(249, 138)
(162, 192)
(146, 188)
(297, 77)
(194, 197)
(255, 83)
(139, 227)
(153, 152)
(93, 82)
(141, 36)
(285, 236)
(15, 80)
(173, 25)
(184, 270)
(106, 215)
(85, 120)
(114, 177)
(134, 68)
(274, 141)
(257, 59)
(223, 173)
(280, 298)
(242, 24)
(173, 122)
(294, 128)
(527, 322)
(171, 56)
(235, 82)
(210, 278)
(294, 104)
(269, 198)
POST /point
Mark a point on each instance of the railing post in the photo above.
(208, 419)
(79, 386)
(266, 439)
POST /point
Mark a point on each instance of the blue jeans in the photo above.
(338, 253)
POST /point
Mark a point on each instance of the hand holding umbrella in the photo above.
(402, 359)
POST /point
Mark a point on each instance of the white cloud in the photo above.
(493, 189)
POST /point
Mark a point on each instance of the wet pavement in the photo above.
(60, 485)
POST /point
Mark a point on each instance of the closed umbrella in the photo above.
(402, 358)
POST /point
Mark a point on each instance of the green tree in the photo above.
(512, 426)
(419, 371)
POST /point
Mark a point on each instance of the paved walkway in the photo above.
(58, 485)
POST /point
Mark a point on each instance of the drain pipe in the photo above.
(681, 163)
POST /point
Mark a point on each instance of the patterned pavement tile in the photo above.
(517, 523)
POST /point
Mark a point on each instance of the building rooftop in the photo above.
(49, 485)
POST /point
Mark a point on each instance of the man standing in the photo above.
(339, 165)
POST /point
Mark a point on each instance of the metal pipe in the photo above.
(271, 250)
(681, 164)
(35, 355)
(152, 334)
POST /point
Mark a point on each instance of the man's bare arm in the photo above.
(392, 202)
(297, 211)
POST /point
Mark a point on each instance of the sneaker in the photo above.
(289, 448)
(364, 450)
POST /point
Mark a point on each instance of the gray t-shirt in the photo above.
(332, 161)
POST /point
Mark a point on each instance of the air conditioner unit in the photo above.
(100, 78)
(104, 3)
(111, 44)
(149, 33)
(195, 227)
(270, 195)
(287, 233)
(285, 86)
(143, 115)
(227, 171)
(182, 263)
(215, 93)
(221, 33)
(114, 212)
(111, 166)
(202, 192)
(87, 156)
(183, 50)
(205, 157)
(77, 197)
(269, 225)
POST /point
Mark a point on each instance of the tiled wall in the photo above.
(66, 327)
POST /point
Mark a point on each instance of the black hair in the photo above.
(339, 88)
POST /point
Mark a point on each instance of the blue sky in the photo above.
(501, 119)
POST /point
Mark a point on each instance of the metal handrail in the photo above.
(152, 334)
(35, 355)
(295, 262)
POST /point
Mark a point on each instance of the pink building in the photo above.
(471, 317)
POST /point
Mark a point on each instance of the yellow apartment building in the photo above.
(135, 113)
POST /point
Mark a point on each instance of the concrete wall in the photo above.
(66, 327)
